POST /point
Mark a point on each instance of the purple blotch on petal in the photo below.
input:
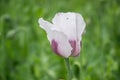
(73, 45)
(54, 46)
(76, 49)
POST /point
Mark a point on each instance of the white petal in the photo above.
(64, 48)
(47, 26)
(66, 22)
(80, 23)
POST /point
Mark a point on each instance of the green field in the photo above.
(25, 52)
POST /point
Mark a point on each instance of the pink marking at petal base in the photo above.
(73, 45)
(76, 48)
(54, 46)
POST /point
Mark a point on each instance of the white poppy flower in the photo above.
(65, 33)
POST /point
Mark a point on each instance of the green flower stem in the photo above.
(68, 68)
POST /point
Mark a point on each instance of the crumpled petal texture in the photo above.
(65, 33)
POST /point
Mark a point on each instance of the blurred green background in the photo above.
(25, 52)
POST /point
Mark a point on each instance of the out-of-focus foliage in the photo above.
(25, 52)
